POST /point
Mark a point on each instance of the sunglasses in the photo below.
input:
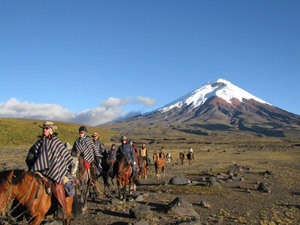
(81, 132)
(46, 128)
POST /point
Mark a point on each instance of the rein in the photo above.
(10, 202)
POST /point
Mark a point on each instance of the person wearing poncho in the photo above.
(50, 157)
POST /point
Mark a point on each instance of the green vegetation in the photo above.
(14, 132)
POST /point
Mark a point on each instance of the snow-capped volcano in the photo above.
(216, 106)
(220, 88)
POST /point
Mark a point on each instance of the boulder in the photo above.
(180, 207)
(140, 212)
(179, 180)
(263, 188)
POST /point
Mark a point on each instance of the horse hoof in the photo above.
(84, 209)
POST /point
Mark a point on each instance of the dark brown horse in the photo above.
(125, 176)
(181, 157)
(160, 165)
(190, 157)
(28, 191)
(110, 172)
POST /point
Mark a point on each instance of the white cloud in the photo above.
(109, 110)
(147, 101)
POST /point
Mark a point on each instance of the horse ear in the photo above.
(10, 175)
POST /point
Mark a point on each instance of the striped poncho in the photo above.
(86, 148)
(53, 159)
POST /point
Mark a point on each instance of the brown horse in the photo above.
(160, 164)
(125, 176)
(190, 157)
(181, 157)
(28, 191)
(143, 168)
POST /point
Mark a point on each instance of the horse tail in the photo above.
(76, 207)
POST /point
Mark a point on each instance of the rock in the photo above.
(181, 208)
(230, 173)
(267, 172)
(248, 191)
(141, 222)
(191, 222)
(213, 183)
(263, 188)
(115, 201)
(179, 180)
(140, 212)
(204, 204)
(53, 222)
(139, 198)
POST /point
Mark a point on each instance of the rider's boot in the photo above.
(59, 193)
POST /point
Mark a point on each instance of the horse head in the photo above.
(6, 191)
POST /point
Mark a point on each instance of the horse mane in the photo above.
(123, 158)
(17, 178)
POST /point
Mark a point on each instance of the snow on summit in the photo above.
(220, 88)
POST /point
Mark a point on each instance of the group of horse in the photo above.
(189, 156)
(24, 194)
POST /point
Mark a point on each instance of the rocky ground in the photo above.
(241, 184)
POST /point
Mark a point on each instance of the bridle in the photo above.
(11, 199)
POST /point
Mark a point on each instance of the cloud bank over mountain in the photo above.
(109, 110)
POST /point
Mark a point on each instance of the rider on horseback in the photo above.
(162, 152)
(98, 143)
(144, 154)
(127, 150)
(50, 157)
(87, 149)
(112, 153)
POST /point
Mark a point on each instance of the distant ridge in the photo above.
(218, 106)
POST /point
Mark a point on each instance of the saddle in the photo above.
(53, 188)
(48, 184)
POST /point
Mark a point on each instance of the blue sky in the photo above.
(93, 61)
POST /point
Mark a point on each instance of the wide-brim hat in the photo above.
(96, 134)
(48, 124)
(124, 138)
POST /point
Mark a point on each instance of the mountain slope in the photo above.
(218, 106)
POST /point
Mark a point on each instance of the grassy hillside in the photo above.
(26, 131)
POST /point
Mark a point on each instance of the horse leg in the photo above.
(40, 209)
(38, 219)
(69, 213)
(84, 195)
(119, 190)
(145, 170)
(164, 171)
(158, 173)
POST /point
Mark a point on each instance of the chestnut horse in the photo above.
(160, 164)
(181, 157)
(143, 168)
(125, 176)
(190, 157)
(28, 191)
